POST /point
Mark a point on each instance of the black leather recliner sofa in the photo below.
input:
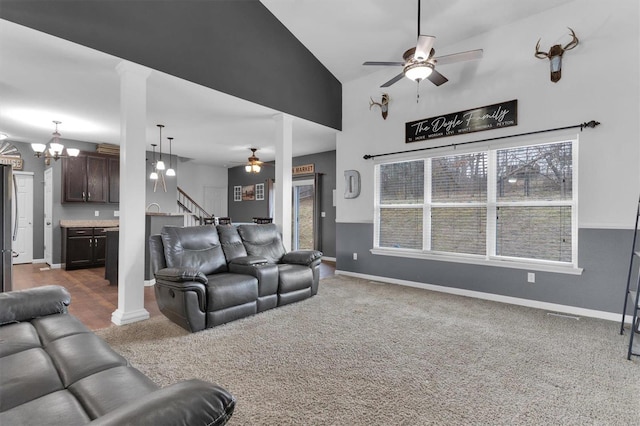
(54, 371)
(208, 275)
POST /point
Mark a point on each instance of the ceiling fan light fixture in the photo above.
(418, 71)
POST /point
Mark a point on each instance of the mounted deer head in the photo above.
(555, 55)
(383, 104)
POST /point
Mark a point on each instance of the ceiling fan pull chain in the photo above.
(418, 92)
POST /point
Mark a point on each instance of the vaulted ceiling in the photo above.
(45, 78)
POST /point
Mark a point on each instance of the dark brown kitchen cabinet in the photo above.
(114, 180)
(87, 178)
(83, 247)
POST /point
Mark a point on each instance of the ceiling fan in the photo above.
(253, 163)
(419, 62)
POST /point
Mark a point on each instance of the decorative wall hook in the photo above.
(383, 104)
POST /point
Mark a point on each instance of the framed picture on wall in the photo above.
(237, 193)
(248, 193)
(260, 191)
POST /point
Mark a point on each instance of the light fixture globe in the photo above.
(170, 172)
(38, 148)
(418, 71)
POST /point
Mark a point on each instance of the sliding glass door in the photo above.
(303, 215)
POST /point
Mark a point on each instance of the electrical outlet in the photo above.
(531, 277)
(97, 213)
(116, 213)
(355, 256)
(323, 214)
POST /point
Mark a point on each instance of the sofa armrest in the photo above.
(180, 275)
(248, 261)
(22, 305)
(186, 403)
(301, 257)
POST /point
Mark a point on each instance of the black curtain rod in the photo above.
(590, 124)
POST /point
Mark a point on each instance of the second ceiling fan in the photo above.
(420, 61)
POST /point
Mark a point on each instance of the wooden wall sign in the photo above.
(307, 169)
(16, 162)
(504, 114)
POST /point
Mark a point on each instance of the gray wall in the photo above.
(324, 162)
(599, 287)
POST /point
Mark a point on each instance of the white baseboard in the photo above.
(329, 259)
(554, 307)
(150, 283)
(38, 261)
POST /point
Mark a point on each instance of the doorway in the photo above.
(303, 215)
(23, 243)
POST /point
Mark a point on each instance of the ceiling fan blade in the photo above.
(383, 63)
(423, 47)
(459, 57)
(393, 80)
(436, 78)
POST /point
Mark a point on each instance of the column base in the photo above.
(119, 317)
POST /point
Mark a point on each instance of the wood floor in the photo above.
(93, 300)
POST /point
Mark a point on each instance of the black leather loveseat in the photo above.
(54, 371)
(208, 275)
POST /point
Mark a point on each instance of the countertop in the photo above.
(88, 223)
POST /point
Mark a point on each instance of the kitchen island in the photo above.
(153, 225)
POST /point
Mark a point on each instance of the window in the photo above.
(237, 193)
(259, 191)
(513, 204)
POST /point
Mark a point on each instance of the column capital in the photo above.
(126, 67)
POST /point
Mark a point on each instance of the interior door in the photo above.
(23, 244)
(303, 214)
(48, 215)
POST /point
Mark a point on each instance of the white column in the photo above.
(133, 118)
(283, 184)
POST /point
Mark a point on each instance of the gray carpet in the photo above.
(365, 353)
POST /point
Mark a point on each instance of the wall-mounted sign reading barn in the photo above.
(504, 114)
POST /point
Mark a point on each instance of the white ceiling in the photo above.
(44, 78)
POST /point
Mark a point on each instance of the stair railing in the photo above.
(194, 214)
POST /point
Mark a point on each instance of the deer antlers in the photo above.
(555, 55)
(383, 104)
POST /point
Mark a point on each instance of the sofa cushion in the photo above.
(196, 247)
(80, 355)
(226, 290)
(53, 327)
(18, 337)
(262, 240)
(25, 376)
(109, 389)
(231, 242)
(59, 407)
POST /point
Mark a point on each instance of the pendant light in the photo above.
(154, 173)
(160, 164)
(170, 171)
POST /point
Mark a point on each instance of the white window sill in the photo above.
(544, 266)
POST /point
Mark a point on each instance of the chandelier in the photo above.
(55, 148)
